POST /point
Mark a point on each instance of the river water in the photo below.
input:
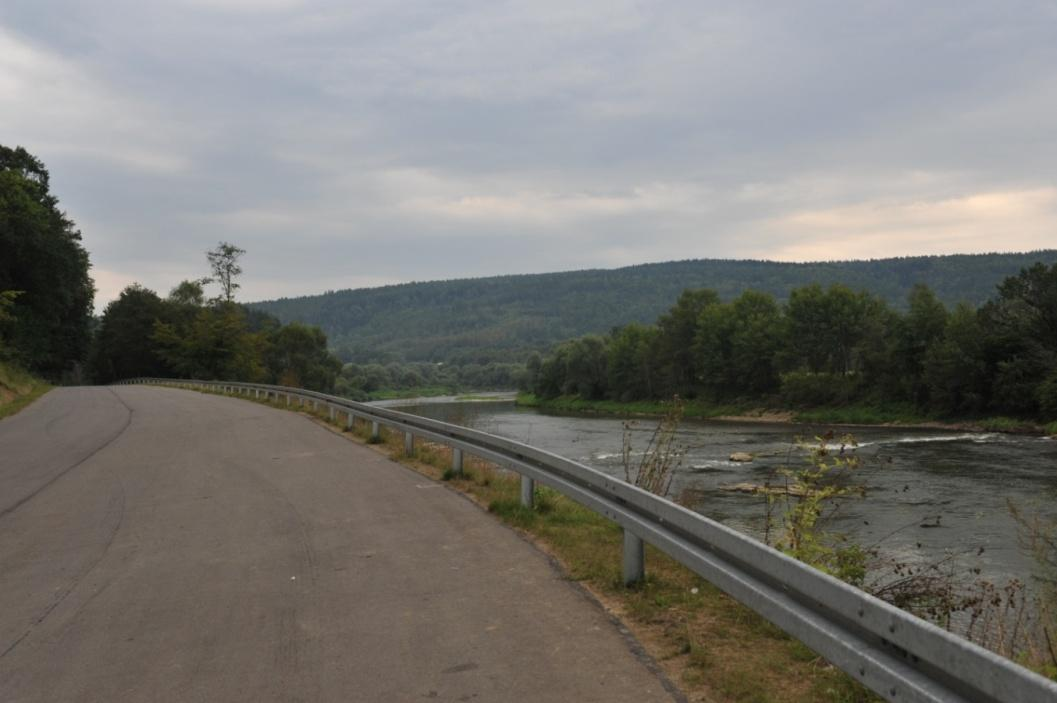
(929, 493)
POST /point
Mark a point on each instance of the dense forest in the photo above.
(826, 347)
(45, 290)
(506, 317)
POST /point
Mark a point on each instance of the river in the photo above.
(929, 493)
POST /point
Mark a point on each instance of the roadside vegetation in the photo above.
(827, 355)
(18, 389)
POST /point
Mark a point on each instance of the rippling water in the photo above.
(915, 479)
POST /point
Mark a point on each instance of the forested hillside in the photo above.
(499, 318)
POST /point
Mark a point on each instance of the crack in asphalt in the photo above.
(25, 499)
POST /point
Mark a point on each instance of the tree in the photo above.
(923, 328)
(191, 293)
(42, 256)
(954, 367)
(1021, 327)
(736, 345)
(297, 356)
(630, 364)
(214, 344)
(7, 317)
(123, 347)
(826, 328)
(224, 260)
(675, 341)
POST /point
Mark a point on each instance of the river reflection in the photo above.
(929, 492)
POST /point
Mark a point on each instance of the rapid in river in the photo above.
(929, 493)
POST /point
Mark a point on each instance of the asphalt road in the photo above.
(163, 545)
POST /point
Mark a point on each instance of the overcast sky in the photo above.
(348, 144)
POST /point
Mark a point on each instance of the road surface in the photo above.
(164, 545)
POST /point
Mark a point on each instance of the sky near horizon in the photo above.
(351, 144)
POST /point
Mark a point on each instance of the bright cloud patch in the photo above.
(990, 221)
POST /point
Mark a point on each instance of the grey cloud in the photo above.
(376, 141)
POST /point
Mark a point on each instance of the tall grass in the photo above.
(18, 389)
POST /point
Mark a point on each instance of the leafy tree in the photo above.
(630, 366)
(42, 257)
(1046, 395)
(882, 377)
(532, 367)
(190, 293)
(375, 377)
(122, 347)
(826, 328)
(7, 317)
(297, 356)
(214, 344)
(954, 366)
(926, 321)
(675, 340)
(224, 260)
(1021, 327)
(736, 345)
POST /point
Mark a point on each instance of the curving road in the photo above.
(163, 545)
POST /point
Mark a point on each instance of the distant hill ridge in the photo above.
(504, 317)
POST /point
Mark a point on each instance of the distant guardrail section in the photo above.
(892, 652)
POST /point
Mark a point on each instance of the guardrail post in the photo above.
(332, 413)
(409, 444)
(375, 431)
(287, 400)
(456, 461)
(348, 420)
(634, 559)
(528, 491)
(315, 406)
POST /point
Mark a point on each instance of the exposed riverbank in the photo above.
(851, 416)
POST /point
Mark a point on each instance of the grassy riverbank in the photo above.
(18, 389)
(693, 408)
(402, 393)
(903, 415)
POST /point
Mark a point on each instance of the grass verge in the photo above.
(18, 389)
(714, 648)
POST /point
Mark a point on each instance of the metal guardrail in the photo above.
(892, 652)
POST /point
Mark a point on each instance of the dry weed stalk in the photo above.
(662, 456)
